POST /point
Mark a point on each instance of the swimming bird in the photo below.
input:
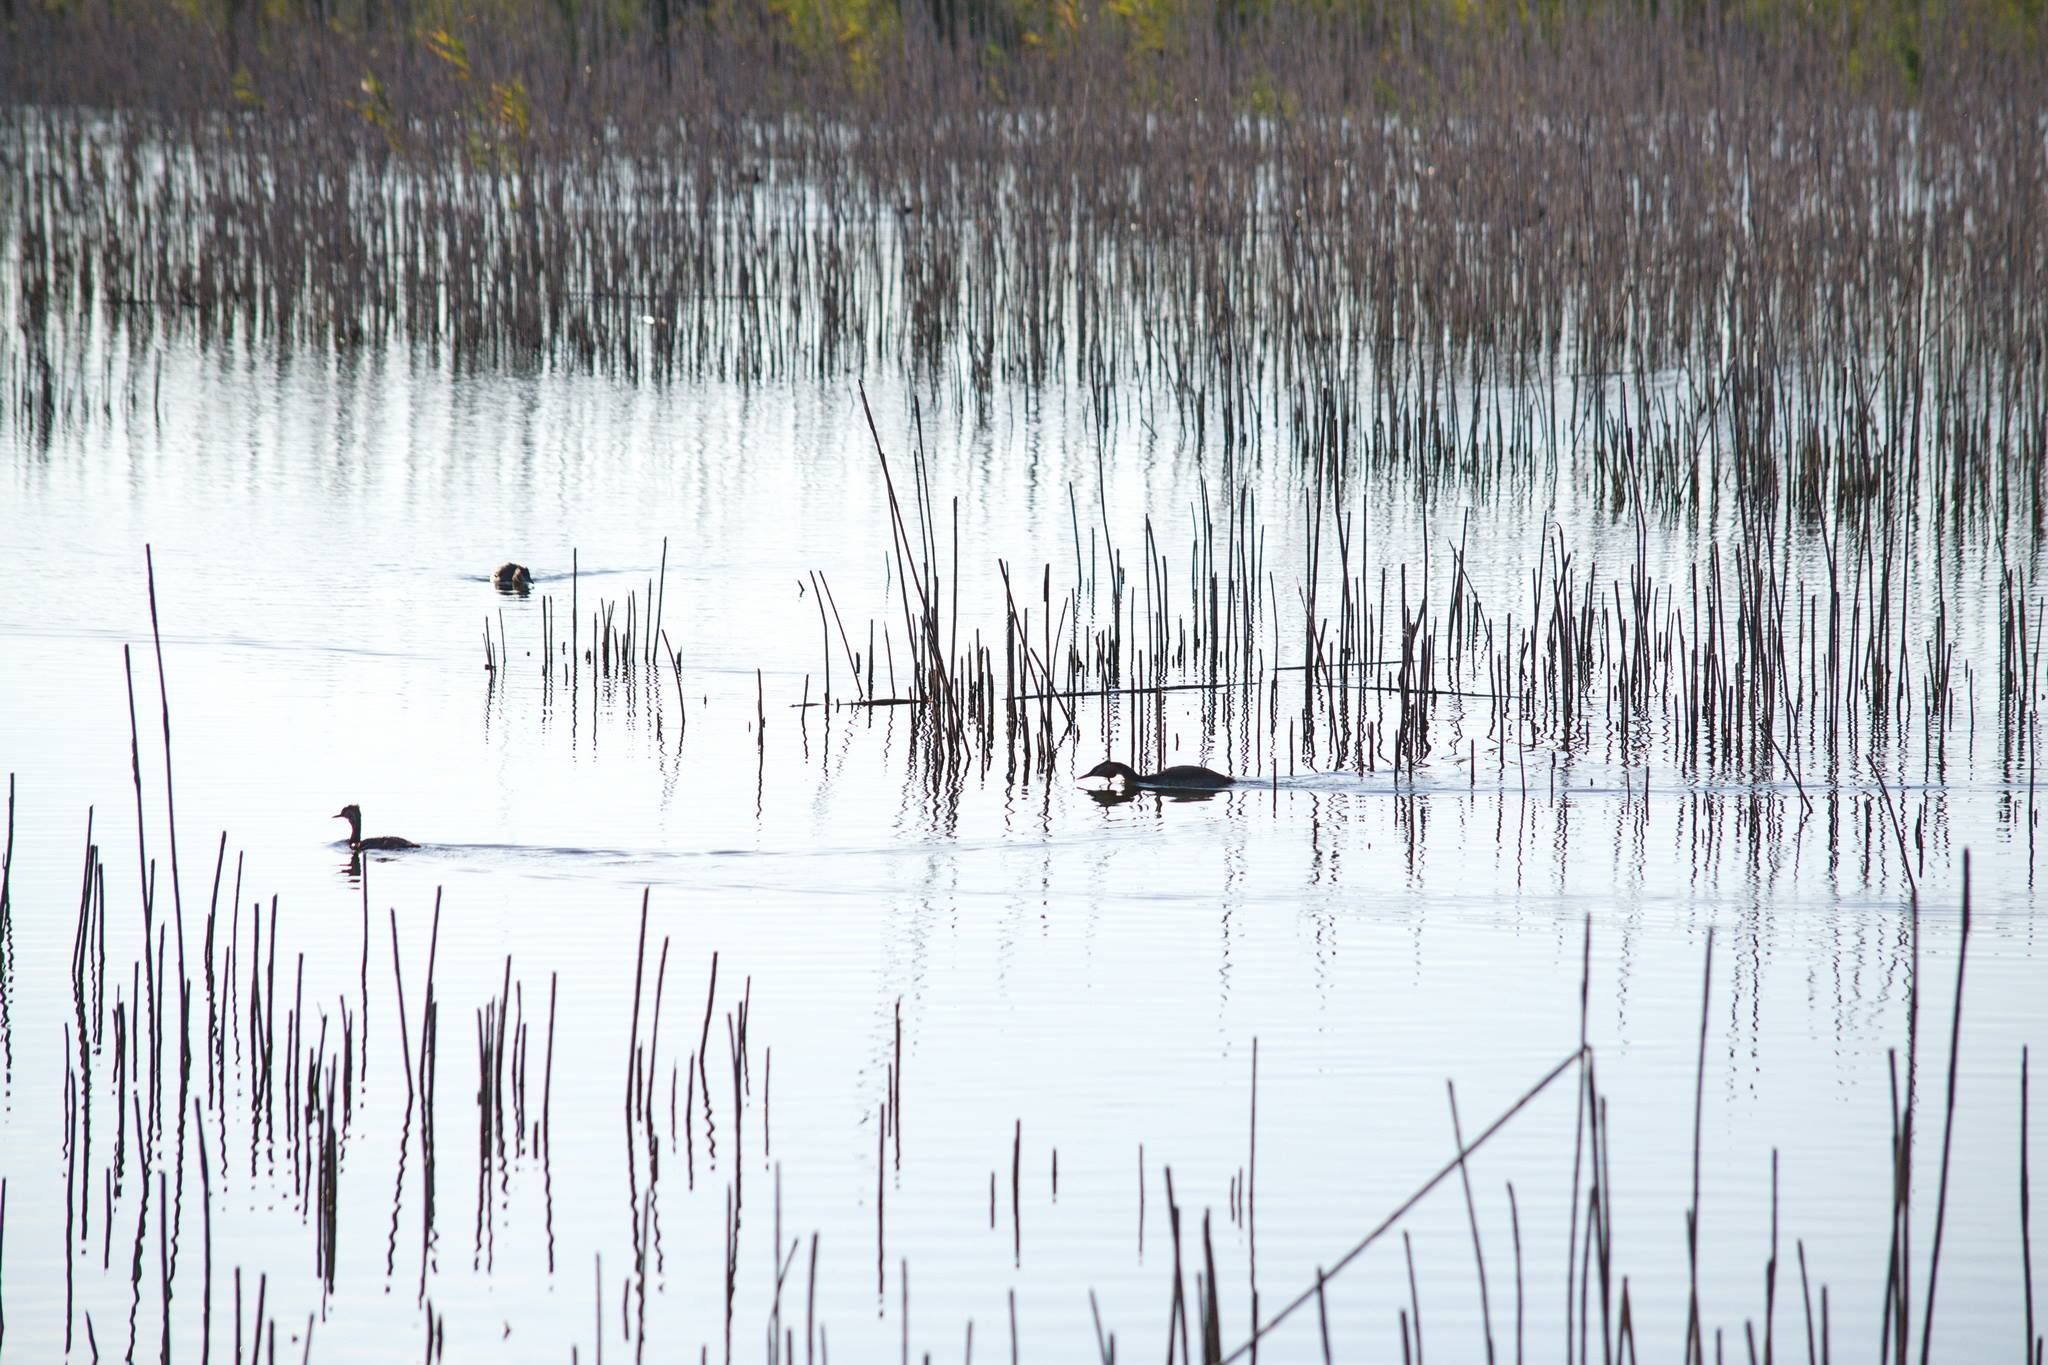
(512, 578)
(1182, 777)
(376, 843)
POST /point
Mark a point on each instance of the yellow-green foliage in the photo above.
(242, 89)
(1150, 26)
(375, 105)
(497, 126)
(852, 44)
(1265, 96)
(1044, 27)
(847, 36)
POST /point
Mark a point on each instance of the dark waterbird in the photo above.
(509, 577)
(1182, 777)
(376, 843)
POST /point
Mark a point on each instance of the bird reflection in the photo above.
(1118, 796)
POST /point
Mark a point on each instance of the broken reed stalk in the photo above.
(634, 1080)
(1896, 1335)
(547, 1084)
(1443, 1173)
(170, 797)
(1472, 1217)
(1515, 1223)
(1948, 1122)
(7, 872)
(881, 1196)
(2032, 1343)
(1252, 1195)
(1414, 1300)
(1695, 1346)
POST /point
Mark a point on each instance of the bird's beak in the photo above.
(338, 815)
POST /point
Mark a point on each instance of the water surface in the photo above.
(1080, 987)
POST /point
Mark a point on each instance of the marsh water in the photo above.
(979, 1012)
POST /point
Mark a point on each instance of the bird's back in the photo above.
(1188, 775)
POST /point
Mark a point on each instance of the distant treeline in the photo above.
(548, 67)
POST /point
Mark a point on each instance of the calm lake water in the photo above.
(1085, 991)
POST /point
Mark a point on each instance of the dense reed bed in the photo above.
(1689, 260)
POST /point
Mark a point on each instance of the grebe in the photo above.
(1184, 777)
(378, 843)
(512, 578)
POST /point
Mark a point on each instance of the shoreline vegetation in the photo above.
(1714, 253)
(564, 68)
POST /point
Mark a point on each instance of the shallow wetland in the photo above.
(1606, 548)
